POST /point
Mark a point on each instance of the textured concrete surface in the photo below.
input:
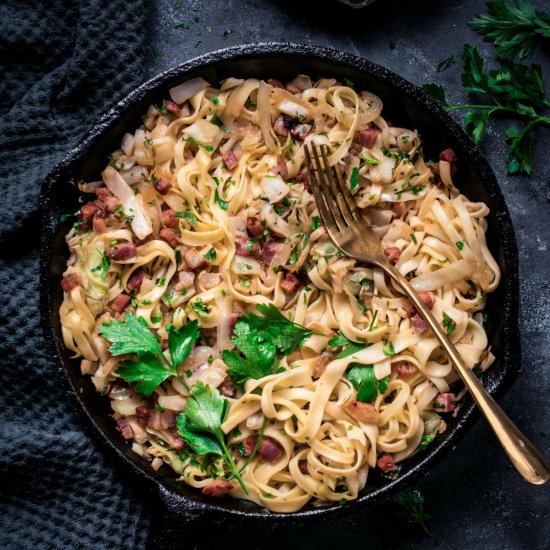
(475, 498)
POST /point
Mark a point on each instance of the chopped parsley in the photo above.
(364, 381)
(193, 141)
(219, 122)
(103, 266)
(354, 178)
(459, 245)
(187, 216)
(221, 203)
(315, 223)
(200, 308)
(211, 255)
(448, 323)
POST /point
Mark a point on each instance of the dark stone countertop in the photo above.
(476, 498)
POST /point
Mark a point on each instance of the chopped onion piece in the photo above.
(202, 131)
(181, 93)
(274, 188)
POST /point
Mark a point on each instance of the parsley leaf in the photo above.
(201, 425)
(448, 324)
(180, 341)
(363, 379)
(130, 336)
(221, 203)
(187, 216)
(349, 347)
(315, 223)
(446, 63)
(192, 140)
(515, 30)
(148, 371)
(354, 179)
(412, 502)
(219, 122)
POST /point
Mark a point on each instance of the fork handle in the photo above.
(526, 459)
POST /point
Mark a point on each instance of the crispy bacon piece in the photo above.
(419, 324)
(280, 168)
(161, 420)
(124, 428)
(289, 284)
(392, 254)
(167, 235)
(69, 282)
(135, 279)
(194, 259)
(124, 251)
(398, 208)
(448, 155)
(254, 227)
(445, 402)
(176, 441)
(386, 462)
(169, 218)
(275, 83)
(268, 448)
(162, 185)
(98, 223)
(231, 161)
(227, 388)
(364, 412)
(404, 368)
(269, 250)
(245, 247)
(367, 137)
(172, 107)
(120, 303)
(301, 130)
(88, 211)
(427, 297)
(217, 488)
(142, 415)
(279, 126)
(302, 466)
(320, 366)
(105, 200)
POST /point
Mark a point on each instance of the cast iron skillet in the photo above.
(404, 104)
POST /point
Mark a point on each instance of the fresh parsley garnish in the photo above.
(200, 308)
(219, 122)
(315, 223)
(371, 162)
(221, 203)
(151, 368)
(515, 30)
(459, 245)
(412, 502)
(364, 381)
(425, 441)
(354, 178)
(103, 266)
(446, 63)
(200, 425)
(348, 346)
(211, 255)
(192, 140)
(515, 90)
(448, 324)
(187, 216)
(259, 339)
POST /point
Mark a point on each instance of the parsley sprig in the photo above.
(412, 502)
(151, 368)
(349, 347)
(260, 339)
(514, 90)
(201, 425)
(364, 381)
(515, 30)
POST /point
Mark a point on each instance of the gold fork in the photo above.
(349, 231)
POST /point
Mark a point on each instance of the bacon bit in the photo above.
(217, 488)
(304, 176)
(280, 168)
(124, 428)
(301, 130)
(227, 388)
(289, 284)
(320, 366)
(386, 462)
(419, 324)
(88, 211)
(275, 83)
(98, 223)
(102, 192)
(167, 235)
(404, 368)
(367, 137)
(106, 201)
(408, 307)
(231, 161)
(176, 441)
(293, 89)
(120, 303)
(242, 247)
(169, 218)
(445, 402)
(448, 155)
(254, 227)
(162, 185)
(302, 466)
(142, 415)
(233, 318)
(194, 259)
(428, 298)
(161, 420)
(249, 444)
(269, 250)
(172, 107)
(364, 412)
(125, 251)
(69, 282)
(270, 450)
(135, 279)
(279, 127)
(392, 254)
(398, 208)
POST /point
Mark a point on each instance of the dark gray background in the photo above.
(476, 499)
(58, 489)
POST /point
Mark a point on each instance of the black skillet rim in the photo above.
(509, 360)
